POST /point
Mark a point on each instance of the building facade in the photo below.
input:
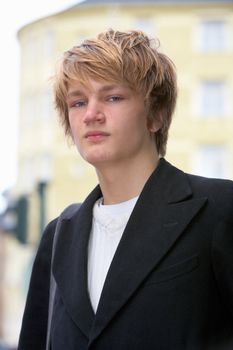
(197, 35)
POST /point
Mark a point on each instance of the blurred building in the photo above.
(196, 35)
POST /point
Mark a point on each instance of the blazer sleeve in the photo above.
(222, 247)
(34, 323)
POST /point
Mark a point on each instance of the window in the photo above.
(38, 107)
(44, 167)
(31, 49)
(27, 174)
(212, 36)
(46, 106)
(49, 44)
(211, 161)
(30, 110)
(212, 99)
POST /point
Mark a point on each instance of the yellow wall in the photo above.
(42, 42)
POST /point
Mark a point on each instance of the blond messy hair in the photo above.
(122, 57)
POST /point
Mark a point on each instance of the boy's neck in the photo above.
(122, 183)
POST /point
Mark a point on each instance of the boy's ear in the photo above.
(155, 124)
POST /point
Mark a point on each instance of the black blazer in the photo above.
(169, 286)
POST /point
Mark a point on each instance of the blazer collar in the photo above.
(163, 210)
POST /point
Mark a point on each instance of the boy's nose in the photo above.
(94, 114)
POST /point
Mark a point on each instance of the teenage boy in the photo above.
(146, 262)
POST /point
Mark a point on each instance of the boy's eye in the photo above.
(114, 98)
(79, 104)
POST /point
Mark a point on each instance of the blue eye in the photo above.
(115, 98)
(79, 104)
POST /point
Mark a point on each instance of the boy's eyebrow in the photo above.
(107, 87)
(74, 93)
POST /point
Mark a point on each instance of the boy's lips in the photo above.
(96, 135)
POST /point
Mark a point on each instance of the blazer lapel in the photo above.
(164, 209)
(70, 264)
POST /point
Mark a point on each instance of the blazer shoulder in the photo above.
(48, 234)
(219, 193)
(44, 252)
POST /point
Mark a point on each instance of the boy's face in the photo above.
(108, 123)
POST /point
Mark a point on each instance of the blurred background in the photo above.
(41, 173)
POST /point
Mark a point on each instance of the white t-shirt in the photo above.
(108, 224)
